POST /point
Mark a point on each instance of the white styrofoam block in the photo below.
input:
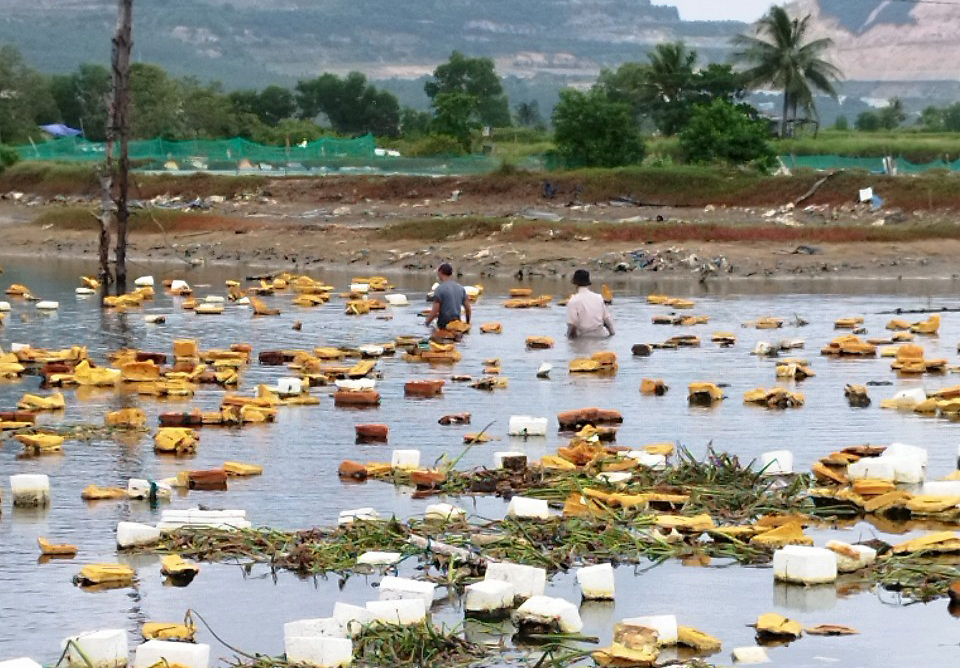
(322, 627)
(906, 469)
(498, 457)
(358, 515)
(185, 654)
(614, 477)
(404, 611)
(471, 290)
(85, 291)
(378, 558)
(763, 349)
(548, 610)
(154, 319)
(776, 462)
(355, 384)
(648, 459)
(138, 488)
(371, 350)
(847, 563)
(596, 582)
(525, 425)
(171, 520)
(106, 648)
(527, 581)
(443, 511)
(911, 397)
(289, 385)
(397, 300)
(904, 450)
(805, 565)
(30, 490)
(393, 588)
(488, 596)
(19, 347)
(133, 534)
(941, 488)
(405, 459)
(5, 307)
(23, 661)
(866, 194)
(523, 507)
(352, 617)
(178, 285)
(48, 305)
(664, 625)
(750, 655)
(318, 652)
(214, 299)
(872, 467)
(144, 282)
(362, 288)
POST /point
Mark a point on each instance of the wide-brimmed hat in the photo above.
(581, 278)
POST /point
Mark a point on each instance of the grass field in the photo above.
(152, 221)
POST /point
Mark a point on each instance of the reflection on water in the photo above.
(300, 454)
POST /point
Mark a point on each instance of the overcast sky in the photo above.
(713, 10)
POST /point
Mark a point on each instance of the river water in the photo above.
(300, 453)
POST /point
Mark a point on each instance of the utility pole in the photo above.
(122, 45)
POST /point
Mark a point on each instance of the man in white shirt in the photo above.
(587, 314)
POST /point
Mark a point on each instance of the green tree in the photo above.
(476, 78)
(206, 112)
(528, 114)
(593, 131)
(350, 104)
(271, 105)
(867, 121)
(454, 117)
(414, 123)
(724, 132)
(25, 98)
(780, 56)
(155, 103)
(951, 118)
(892, 115)
(841, 123)
(83, 99)
(931, 119)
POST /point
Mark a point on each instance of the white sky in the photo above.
(714, 10)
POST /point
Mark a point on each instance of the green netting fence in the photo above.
(358, 155)
(874, 164)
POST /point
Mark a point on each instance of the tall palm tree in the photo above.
(778, 55)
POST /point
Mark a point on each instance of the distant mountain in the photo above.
(902, 46)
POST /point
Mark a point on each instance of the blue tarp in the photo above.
(61, 130)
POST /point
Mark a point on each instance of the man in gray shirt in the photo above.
(448, 299)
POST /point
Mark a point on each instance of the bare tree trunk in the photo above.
(122, 45)
(106, 208)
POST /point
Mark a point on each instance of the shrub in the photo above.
(724, 132)
(8, 156)
(592, 131)
(434, 144)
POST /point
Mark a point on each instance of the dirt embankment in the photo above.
(704, 224)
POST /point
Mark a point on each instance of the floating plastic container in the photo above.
(206, 519)
(188, 655)
(804, 565)
(397, 300)
(776, 462)
(138, 488)
(144, 282)
(498, 457)
(357, 515)
(133, 534)
(106, 648)
(324, 627)
(664, 625)
(879, 468)
(22, 662)
(904, 450)
(405, 459)
(524, 425)
(378, 558)
(851, 558)
(393, 588)
(488, 596)
(596, 582)
(526, 508)
(443, 512)
(48, 306)
(319, 652)
(750, 656)
(30, 490)
(549, 611)
(352, 617)
(289, 385)
(527, 581)
(404, 611)
(648, 459)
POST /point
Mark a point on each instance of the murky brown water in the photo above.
(39, 605)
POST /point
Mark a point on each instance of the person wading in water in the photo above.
(587, 314)
(448, 299)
